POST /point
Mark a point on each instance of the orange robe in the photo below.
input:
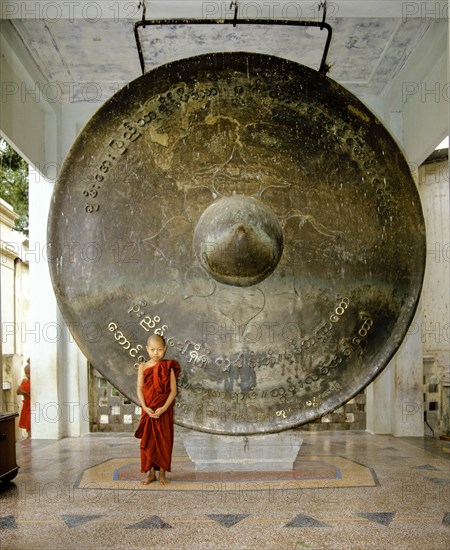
(156, 434)
(25, 414)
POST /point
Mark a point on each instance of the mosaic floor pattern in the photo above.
(313, 472)
(348, 491)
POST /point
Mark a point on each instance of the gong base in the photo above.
(223, 453)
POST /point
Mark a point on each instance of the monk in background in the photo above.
(156, 389)
(25, 390)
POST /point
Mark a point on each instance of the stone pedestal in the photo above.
(225, 453)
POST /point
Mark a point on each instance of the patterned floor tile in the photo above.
(228, 520)
(76, 520)
(383, 518)
(153, 522)
(305, 521)
(7, 522)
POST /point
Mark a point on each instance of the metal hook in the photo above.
(323, 5)
(143, 4)
(236, 7)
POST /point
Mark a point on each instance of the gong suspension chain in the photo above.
(324, 67)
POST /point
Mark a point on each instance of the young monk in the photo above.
(25, 390)
(156, 389)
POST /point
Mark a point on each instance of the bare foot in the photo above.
(151, 477)
(162, 477)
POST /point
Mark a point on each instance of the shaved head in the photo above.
(156, 339)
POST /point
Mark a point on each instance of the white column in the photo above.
(407, 404)
(394, 400)
(42, 329)
(378, 403)
(73, 384)
(434, 190)
(59, 390)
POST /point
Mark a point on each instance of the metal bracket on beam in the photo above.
(324, 67)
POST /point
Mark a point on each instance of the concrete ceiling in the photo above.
(84, 53)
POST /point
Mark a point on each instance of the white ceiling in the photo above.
(81, 52)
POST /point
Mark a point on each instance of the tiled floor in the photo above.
(348, 491)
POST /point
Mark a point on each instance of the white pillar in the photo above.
(59, 391)
(378, 403)
(407, 404)
(394, 400)
(42, 329)
(73, 385)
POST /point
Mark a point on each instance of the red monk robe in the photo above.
(156, 434)
(25, 414)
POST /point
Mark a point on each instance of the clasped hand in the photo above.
(154, 414)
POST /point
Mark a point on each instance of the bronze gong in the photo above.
(259, 216)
